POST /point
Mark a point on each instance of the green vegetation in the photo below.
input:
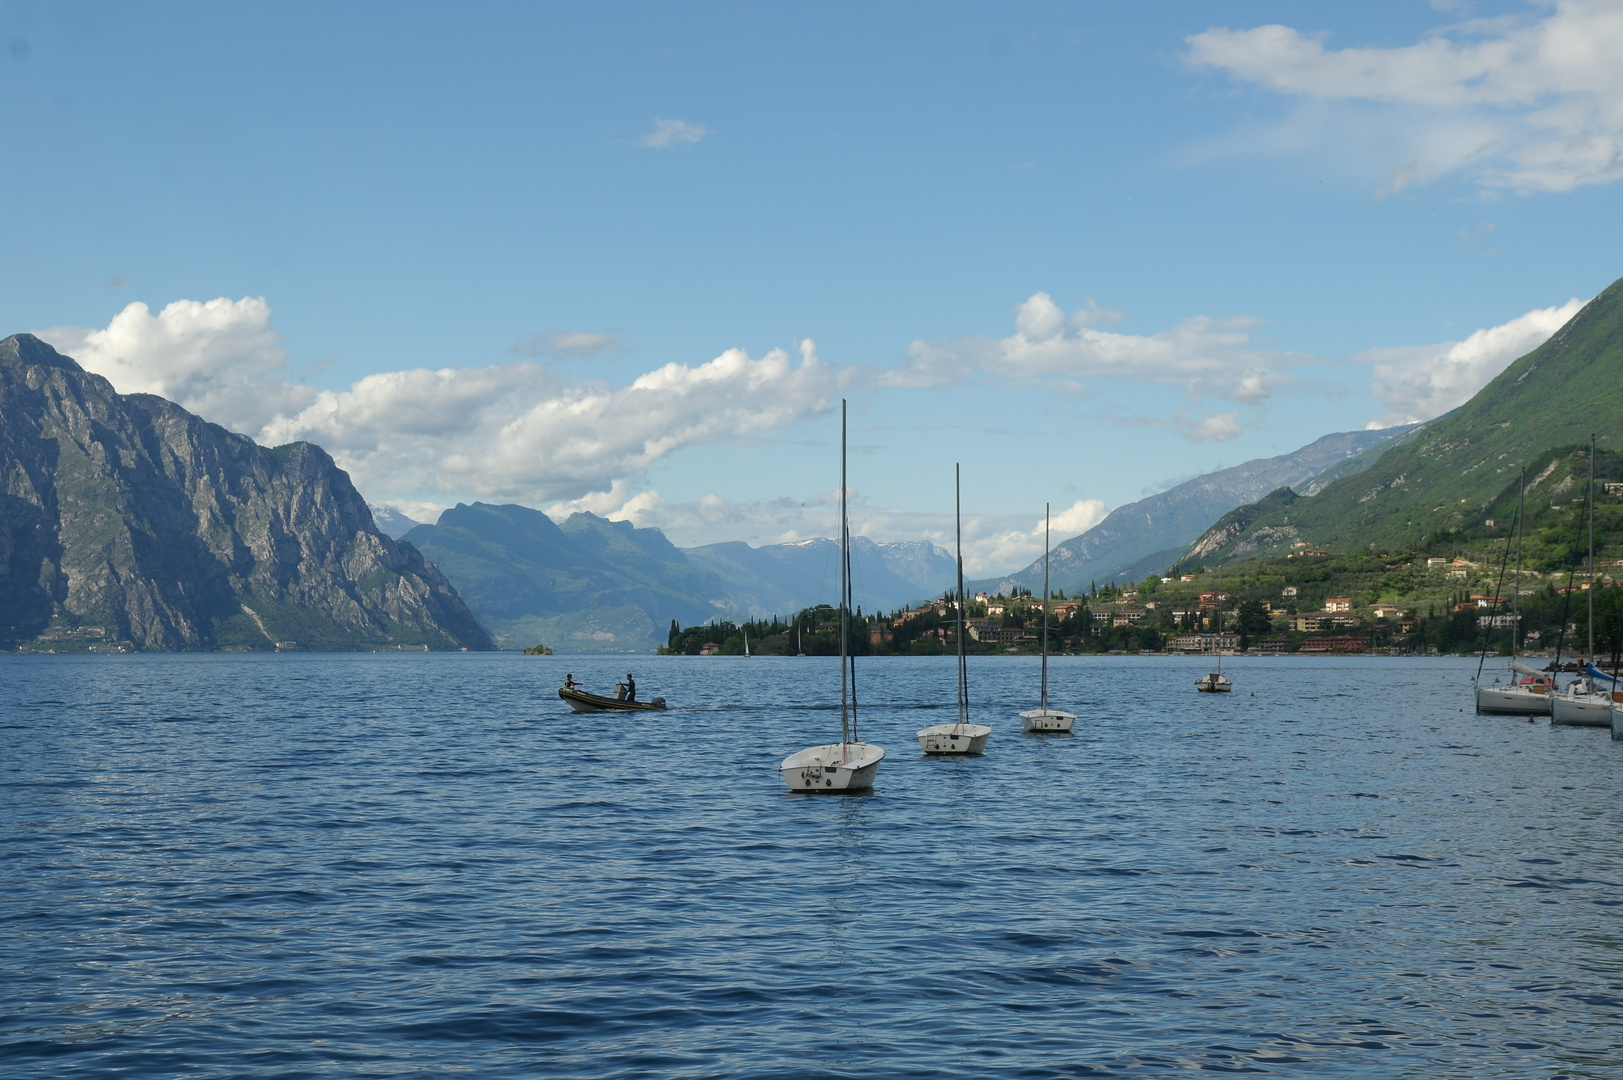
(538, 650)
(1453, 474)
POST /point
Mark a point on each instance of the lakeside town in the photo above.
(1309, 602)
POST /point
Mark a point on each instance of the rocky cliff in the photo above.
(126, 518)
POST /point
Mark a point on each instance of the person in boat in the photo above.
(631, 687)
(569, 681)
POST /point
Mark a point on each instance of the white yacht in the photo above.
(850, 764)
(963, 737)
(1043, 718)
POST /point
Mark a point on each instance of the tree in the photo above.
(1251, 621)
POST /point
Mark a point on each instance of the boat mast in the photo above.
(845, 587)
(1591, 653)
(1045, 606)
(1516, 589)
(963, 667)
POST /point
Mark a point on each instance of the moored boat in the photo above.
(850, 764)
(1214, 682)
(962, 737)
(1043, 719)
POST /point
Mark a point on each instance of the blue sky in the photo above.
(448, 241)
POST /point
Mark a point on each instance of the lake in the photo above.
(424, 865)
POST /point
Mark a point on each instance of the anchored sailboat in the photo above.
(1529, 696)
(1584, 702)
(962, 737)
(1043, 718)
(850, 764)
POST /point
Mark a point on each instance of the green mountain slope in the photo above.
(1445, 477)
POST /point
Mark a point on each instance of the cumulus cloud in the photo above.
(669, 133)
(1418, 382)
(520, 431)
(219, 359)
(1206, 356)
(1521, 104)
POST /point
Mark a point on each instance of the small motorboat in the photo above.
(1214, 683)
(582, 701)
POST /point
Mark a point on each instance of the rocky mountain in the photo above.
(125, 518)
(391, 522)
(1447, 477)
(1150, 535)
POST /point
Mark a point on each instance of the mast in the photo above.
(1591, 652)
(1516, 589)
(1045, 606)
(845, 590)
(963, 667)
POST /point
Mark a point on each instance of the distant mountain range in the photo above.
(1149, 535)
(1445, 477)
(591, 584)
(126, 520)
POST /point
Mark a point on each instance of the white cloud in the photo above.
(1208, 357)
(1418, 382)
(669, 133)
(517, 431)
(569, 345)
(219, 359)
(1519, 103)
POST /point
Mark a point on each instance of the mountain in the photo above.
(1150, 535)
(783, 578)
(586, 585)
(391, 522)
(124, 518)
(1446, 477)
(607, 586)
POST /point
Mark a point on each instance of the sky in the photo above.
(629, 258)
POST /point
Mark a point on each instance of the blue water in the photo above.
(376, 866)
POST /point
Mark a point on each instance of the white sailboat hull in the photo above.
(832, 769)
(1047, 720)
(957, 739)
(1215, 683)
(1584, 710)
(1512, 701)
(1617, 721)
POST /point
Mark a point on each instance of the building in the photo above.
(1436, 563)
(1306, 624)
(1498, 622)
(1204, 643)
(1387, 611)
(1270, 645)
(1338, 603)
(1335, 644)
(1289, 590)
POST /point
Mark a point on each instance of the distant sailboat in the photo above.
(963, 737)
(850, 764)
(746, 644)
(1043, 718)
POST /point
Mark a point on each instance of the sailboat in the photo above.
(850, 764)
(1043, 718)
(1584, 702)
(963, 737)
(746, 644)
(1529, 696)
